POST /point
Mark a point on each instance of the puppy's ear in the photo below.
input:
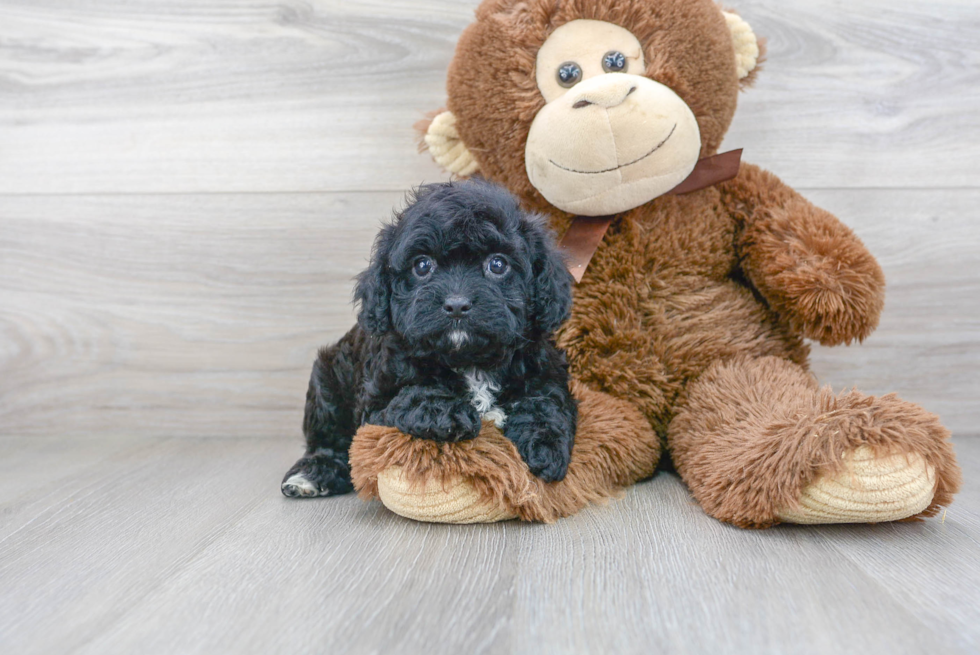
(552, 283)
(373, 289)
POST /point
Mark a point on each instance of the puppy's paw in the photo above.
(547, 454)
(298, 486)
(461, 423)
(436, 419)
(325, 473)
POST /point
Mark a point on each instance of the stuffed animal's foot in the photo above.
(867, 489)
(485, 479)
(453, 501)
(879, 459)
(758, 443)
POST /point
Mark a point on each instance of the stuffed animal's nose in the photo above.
(457, 306)
(608, 91)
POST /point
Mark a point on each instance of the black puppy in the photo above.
(457, 311)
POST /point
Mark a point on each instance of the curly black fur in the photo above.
(463, 288)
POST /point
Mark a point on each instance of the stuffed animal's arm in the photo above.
(809, 266)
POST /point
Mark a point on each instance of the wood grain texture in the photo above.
(187, 189)
(876, 93)
(185, 545)
(251, 95)
(927, 347)
(174, 315)
(35, 470)
(117, 530)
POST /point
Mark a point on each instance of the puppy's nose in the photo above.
(457, 306)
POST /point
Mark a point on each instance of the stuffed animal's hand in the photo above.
(809, 266)
(431, 413)
(817, 274)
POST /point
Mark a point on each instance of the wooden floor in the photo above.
(187, 188)
(186, 546)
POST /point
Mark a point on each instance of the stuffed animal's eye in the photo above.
(613, 61)
(497, 265)
(423, 266)
(569, 74)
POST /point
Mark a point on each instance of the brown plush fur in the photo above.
(809, 266)
(694, 308)
(753, 432)
(661, 302)
(614, 448)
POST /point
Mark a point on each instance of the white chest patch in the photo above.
(483, 395)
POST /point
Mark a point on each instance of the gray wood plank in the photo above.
(245, 96)
(148, 96)
(200, 315)
(876, 93)
(201, 555)
(193, 315)
(121, 530)
(38, 473)
(929, 567)
(927, 347)
(335, 575)
(684, 583)
(61, 457)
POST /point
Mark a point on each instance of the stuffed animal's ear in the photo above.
(552, 283)
(442, 140)
(373, 289)
(749, 50)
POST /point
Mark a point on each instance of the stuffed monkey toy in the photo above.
(700, 281)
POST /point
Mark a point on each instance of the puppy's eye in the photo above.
(613, 61)
(423, 266)
(569, 74)
(497, 265)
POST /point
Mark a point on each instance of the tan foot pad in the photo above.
(867, 490)
(433, 502)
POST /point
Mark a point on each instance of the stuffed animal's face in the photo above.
(464, 275)
(594, 107)
(608, 138)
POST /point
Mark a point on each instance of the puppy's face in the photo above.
(465, 275)
(467, 299)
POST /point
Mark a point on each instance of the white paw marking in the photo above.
(483, 395)
(301, 484)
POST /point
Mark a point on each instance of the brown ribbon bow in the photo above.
(584, 235)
